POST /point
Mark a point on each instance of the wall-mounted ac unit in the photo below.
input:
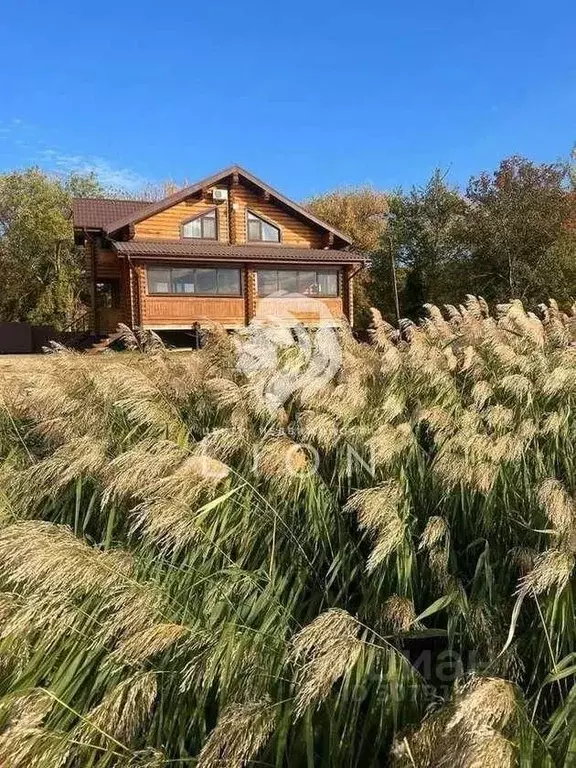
(219, 194)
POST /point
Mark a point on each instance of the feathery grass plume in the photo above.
(435, 324)
(83, 456)
(435, 534)
(433, 746)
(379, 511)
(169, 524)
(9, 604)
(128, 338)
(557, 332)
(140, 340)
(527, 324)
(481, 393)
(389, 441)
(553, 423)
(240, 733)
(42, 557)
(477, 306)
(560, 381)
(441, 422)
(552, 570)
(24, 743)
(27, 710)
(157, 418)
(435, 541)
(451, 358)
(484, 475)
(559, 507)
(392, 407)
(488, 748)
(498, 417)
(51, 615)
(422, 747)
(326, 650)
(318, 428)
(34, 748)
(224, 443)
(470, 327)
(223, 392)
(196, 475)
(391, 361)
(123, 712)
(382, 333)
(501, 354)
(132, 610)
(150, 642)
(516, 385)
(511, 446)
(133, 471)
(471, 361)
(398, 614)
(485, 701)
(281, 458)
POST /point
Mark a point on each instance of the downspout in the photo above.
(349, 296)
(131, 290)
(89, 240)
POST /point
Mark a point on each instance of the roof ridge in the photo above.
(115, 199)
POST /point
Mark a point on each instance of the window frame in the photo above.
(208, 211)
(265, 220)
(216, 267)
(318, 270)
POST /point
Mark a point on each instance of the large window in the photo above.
(199, 281)
(202, 227)
(309, 282)
(262, 231)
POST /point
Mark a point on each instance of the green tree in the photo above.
(361, 213)
(425, 238)
(40, 268)
(518, 231)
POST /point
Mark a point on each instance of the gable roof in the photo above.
(97, 212)
(149, 209)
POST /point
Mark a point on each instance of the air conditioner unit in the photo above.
(219, 194)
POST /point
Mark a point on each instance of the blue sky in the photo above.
(307, 95)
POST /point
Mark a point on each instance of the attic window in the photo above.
(202, 227)
(261, 231)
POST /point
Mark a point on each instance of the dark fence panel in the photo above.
(15, 338)
(26, 339)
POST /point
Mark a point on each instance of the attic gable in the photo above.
(236, 175)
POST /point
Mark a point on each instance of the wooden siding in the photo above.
(166, 225)
(107, 265)
(311, 311)
(178, 312)
(293, 231)
(184, 311)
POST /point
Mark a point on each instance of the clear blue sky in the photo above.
(308, 95)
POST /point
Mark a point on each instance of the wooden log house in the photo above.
(227, 249)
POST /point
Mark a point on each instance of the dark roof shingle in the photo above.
(97, 213)
(185, 249)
